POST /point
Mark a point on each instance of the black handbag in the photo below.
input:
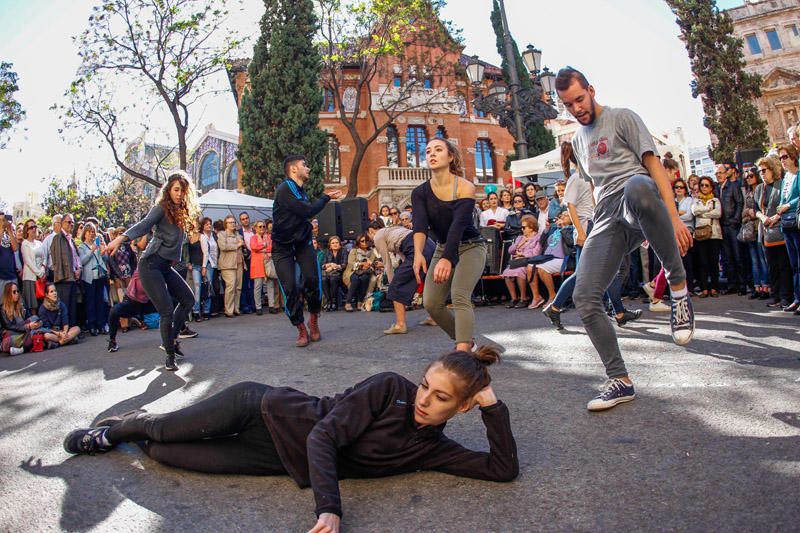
(789, 221)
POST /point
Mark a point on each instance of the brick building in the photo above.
(770, 30)
(395, 163)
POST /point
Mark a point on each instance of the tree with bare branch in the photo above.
(360, 40)
(135, 51)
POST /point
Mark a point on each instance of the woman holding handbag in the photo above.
(707, 211)
(767, 197)
(516, 276)
(748, 234)
(33, 269)
(787, 211)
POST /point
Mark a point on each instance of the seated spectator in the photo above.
(359, 272)
(495, 216)
(513, 227)
(530, 191)
(16, 337)
(559, 247)
(526, 245)
(333, 265)
(54, 316)
(385, 216)
(542, 212)
(707, 211)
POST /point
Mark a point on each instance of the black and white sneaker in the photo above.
(682, 320)
(88, 441)
(178, 351)
(554, 316)
(628, 316)
(112, 346)
(186, 333)
(615, 391)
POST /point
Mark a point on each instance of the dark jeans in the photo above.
(734, 268)
(68, 293)
(780, 273)
(162, 283)
(708, 263)
(688, 266)
(126, 309)
(287, 257)
(247, 301)
(223, 434)
(359, 283)
(331, 287)
(96, 308)
(792, 238)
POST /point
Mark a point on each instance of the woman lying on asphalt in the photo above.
(383, 426)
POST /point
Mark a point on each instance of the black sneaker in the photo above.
(615, 391)
(628, 316)
(682, 320)
(186, 333)
(86, 441)
(259, 312)
(554, 316)
(170, 364)
(112, 346)
(178, 351)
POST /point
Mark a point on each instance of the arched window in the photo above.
(416, 139)
(232, 180)
(209, 172)
(441, 133)
(328, 104)
(332, 166)
(484, 161)
(392, 147)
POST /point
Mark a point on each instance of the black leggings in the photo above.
(223, 434)
(359, 283)
(126, 309)
(330, 287)
(162, 284)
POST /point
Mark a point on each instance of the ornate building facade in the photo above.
(395, 163)
(213, 162)
(770, 30)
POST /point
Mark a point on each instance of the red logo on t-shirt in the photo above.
(602, 148)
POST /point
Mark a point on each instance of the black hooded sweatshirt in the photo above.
(369, 431)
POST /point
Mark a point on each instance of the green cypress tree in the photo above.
(279, 113)
(539, 138)
(727, 91)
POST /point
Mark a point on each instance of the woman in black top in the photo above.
(385, 425)
(175, 213)
(333, 264)
(444, 205)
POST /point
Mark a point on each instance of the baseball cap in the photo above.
(539, 194)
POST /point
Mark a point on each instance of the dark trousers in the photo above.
(223, 434)
(162, 283)
(331, 288)
(96, 308)
(127, 308)
(68, 293)
(792, 238)
(780, 273)
(404, 282)
(287, 257)
(708, 263)
(247, 301)
(359, 283)
(688, 266)
(734, 268)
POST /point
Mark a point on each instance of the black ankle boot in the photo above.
(170, 363)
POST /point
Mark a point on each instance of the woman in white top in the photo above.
(495, 216)
(33, 258)
(208, 244)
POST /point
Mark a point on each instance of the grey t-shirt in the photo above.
(610, 150)
(579, 193)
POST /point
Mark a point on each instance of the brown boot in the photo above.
(302, 336)
(313, 327)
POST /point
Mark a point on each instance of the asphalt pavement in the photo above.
(712, 442)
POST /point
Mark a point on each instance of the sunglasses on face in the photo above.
(784, 157)
(14, 292)
(763, 170)
(705, 185)
(679, 187)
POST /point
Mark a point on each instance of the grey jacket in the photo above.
(167, 239)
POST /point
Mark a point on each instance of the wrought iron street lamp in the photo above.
(524, 106)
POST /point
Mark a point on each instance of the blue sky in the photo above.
(629, 49)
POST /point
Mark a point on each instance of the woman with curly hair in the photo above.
(172, 217)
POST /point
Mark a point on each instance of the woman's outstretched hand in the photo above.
(485, 397)
(326, 523)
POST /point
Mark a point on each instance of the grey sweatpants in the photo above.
(460, 324)
(620, 225)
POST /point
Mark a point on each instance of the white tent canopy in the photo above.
(219, 203)
(546, 166)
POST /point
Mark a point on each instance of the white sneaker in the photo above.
(649, 289)
(659, 307)
(16, 351)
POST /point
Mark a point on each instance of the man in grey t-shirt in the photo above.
(634, 201)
